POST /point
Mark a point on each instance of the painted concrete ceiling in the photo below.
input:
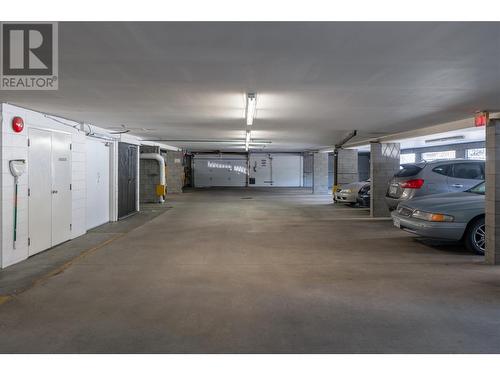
(315, 82)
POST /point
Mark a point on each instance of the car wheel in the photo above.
(475, 237)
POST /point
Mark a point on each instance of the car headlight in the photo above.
(430, 216)
(345, 190)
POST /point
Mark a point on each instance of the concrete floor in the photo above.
(259, 271)
(22, 276)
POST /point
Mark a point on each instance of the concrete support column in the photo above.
(347, 167)
(175, 172)
(320, 173)
(384, 163)
(492, 199)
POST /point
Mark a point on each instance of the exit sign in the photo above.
(481, 119)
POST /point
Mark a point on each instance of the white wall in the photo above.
(15, 146)
(275, 169)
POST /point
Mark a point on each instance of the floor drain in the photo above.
(247, 198)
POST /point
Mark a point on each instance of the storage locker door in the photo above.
(97, 205)
(40, 185)
(61, 187)
(123, 179)
(127, 179)
(132, 189)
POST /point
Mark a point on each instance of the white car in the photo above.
(349, 193)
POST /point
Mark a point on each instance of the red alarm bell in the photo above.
(481, 118)
(17, 124)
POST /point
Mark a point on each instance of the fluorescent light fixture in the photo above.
(247, 140)
(250, 113)
(454, 138)
(251, 104)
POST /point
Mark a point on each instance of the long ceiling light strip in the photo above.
(250, 114)
(236, 141)
(251, 105)
(247, 140)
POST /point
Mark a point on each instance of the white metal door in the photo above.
(282, 170)
(40, 194)
(61, 187)
(287, 170)
(261, 173)
(97, 183)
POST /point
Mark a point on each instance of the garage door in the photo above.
(97, 183)
(220, 172)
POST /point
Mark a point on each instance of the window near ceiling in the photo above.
(430, 156)
(406, 158)
(476, 153)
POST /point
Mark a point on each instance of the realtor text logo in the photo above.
(29, 56)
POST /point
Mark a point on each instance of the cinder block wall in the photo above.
(384, 164)
(175, 171)
(149, 176)
(348, 166)
(320, 173)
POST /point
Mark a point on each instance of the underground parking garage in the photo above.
(260, 194)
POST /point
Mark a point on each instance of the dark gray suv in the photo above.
(439, 176)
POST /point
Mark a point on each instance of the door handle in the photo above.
(457, 185)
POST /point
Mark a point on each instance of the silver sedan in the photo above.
(448, 216)
(349, 193)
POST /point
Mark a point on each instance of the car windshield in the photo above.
(478, 189)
